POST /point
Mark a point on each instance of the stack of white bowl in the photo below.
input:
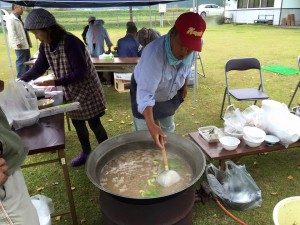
(253, 136)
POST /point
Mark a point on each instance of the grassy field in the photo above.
(271, 45)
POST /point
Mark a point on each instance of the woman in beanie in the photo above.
(67, 57)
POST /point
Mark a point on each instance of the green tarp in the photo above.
(282, 70)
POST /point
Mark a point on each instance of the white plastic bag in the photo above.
(254, 117)
(234, 187)
(44, 207)
(280, 122)
(19, 103)
(234, 121)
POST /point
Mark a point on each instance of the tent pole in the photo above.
(195, 77)
(150, 16)
(280, 13)
(6, 46)
(130, 13)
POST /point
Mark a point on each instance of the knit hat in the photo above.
(191, 27)
(39, 19)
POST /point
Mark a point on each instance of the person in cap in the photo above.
(67, 57)
(159, 82)
(15, 204)
(91, 21)
(95, 38)
(18, 38)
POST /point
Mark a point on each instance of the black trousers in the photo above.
(83, 133)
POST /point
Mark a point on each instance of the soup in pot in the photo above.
(134, 173)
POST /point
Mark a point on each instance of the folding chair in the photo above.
(243, 94)
(203, 73)
(298, 85)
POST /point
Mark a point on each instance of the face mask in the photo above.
(171, 58)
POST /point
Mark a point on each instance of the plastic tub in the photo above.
(286, 212)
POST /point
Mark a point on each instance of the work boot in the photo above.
(79, 160)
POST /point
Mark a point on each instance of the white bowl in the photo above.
(271, 139)
(253, 133)
(229, 143)
(252, 143)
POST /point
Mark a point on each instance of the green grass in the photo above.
(271, 45)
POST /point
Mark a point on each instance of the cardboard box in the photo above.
(122, 76)
(122, 85)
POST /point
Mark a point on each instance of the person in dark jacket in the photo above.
(128, 46)
(71, 64)
(91, 21)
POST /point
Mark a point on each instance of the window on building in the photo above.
(267, 3)
(253, 3)
(242, 4)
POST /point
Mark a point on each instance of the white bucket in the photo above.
(286, 212)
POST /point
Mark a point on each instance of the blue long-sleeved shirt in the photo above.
(156, 79)
(129, 47)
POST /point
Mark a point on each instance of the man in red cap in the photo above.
(159, 82)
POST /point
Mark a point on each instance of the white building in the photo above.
(253, 11)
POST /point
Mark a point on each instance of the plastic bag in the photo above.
(234, 187)
(280, 122)
(254, 117)
(234, 121)
(44, 207)
(19, 103)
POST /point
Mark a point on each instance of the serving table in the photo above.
(215, 151)
(46, 136)
(121, 65)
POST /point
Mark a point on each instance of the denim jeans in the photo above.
(167, 124)
(23, 55)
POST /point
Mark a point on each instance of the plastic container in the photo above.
(211, 133)
(45, 103)
(286, 212)
(228, 132)
(254, 134)
(229, 143)
(253, 143)
(271, 139)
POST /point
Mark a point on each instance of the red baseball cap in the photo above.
(191, 27)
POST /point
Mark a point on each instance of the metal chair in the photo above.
(298, 85)
(243, 94)
(203, 73)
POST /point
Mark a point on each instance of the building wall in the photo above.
(249, 15)
(290, 3)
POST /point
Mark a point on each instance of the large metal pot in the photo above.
(143, 140)
(172, 209)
